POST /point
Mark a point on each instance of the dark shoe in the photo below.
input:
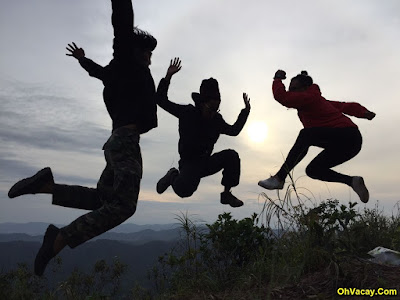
(166, 181)
(228, 198)
(31, 185)
(46, 252)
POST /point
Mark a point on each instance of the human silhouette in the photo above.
(325, 126)
(199, 129)
(129, 96)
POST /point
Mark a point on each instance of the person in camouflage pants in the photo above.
(129, 96)
(115, 198)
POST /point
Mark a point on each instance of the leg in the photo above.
(187, 181)
(75, 196)
(126, 163)
(341, 145)
(228, 161)
(297, 153)
(83, 197)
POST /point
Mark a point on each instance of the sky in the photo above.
(52, 113)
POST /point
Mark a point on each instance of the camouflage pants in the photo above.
(115, 198)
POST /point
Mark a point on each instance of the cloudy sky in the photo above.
(52, 113)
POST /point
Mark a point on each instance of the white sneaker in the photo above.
(272, 183)
(359, 187)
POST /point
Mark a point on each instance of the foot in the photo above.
(32, 185)
(228, 198)
(46, 252)
(166, 181)
(359, 187)
(272, 183)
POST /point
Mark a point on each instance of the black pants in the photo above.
(191, 171)
(339, 144)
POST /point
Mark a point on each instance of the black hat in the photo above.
(209, 89)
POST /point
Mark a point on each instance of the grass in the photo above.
(314, 250)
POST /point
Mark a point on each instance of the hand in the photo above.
(75, 51)
(280, 74)
(246, 100)
(174, 67)
(369, 115)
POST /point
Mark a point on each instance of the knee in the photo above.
(183, 192)
(312, 171)
(232, 155)
(183, 189)
(127, 211)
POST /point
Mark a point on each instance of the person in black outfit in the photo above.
(199, 129)
(129, 95)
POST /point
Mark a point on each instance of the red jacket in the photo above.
(314, 110)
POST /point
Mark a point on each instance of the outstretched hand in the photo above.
(75, 51)
(174, 67)
(369, 115)
(246, 100)
(280, 74)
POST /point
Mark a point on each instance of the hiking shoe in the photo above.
(228, 198)
(359, 187)
(46, 252)
(166, 181)
(31, 185)
(272, 183)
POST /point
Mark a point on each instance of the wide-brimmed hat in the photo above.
(209, 89)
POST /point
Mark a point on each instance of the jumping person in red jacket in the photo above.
(325, 126)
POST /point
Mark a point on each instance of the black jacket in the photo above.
(129, 90)
(197, 136)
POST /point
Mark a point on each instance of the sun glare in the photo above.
(257, 131)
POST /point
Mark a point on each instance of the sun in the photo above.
(257, 131)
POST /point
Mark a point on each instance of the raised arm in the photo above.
(236, 128)
(162, 90)
(94, 69)
(122, 19)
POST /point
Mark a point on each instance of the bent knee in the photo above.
(313, 171)
(128, 211)
(183, 192)
(232, 154)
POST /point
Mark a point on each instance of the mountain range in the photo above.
(137, 246)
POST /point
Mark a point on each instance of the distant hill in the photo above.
(38, 228)
(139, 258)
(137, 238)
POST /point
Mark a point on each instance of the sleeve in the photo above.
(123, 24)
(94, 69)
(349, 108)
(162, 100)
(289, 99)
(236, 128)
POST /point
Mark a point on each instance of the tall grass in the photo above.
(235, 256)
